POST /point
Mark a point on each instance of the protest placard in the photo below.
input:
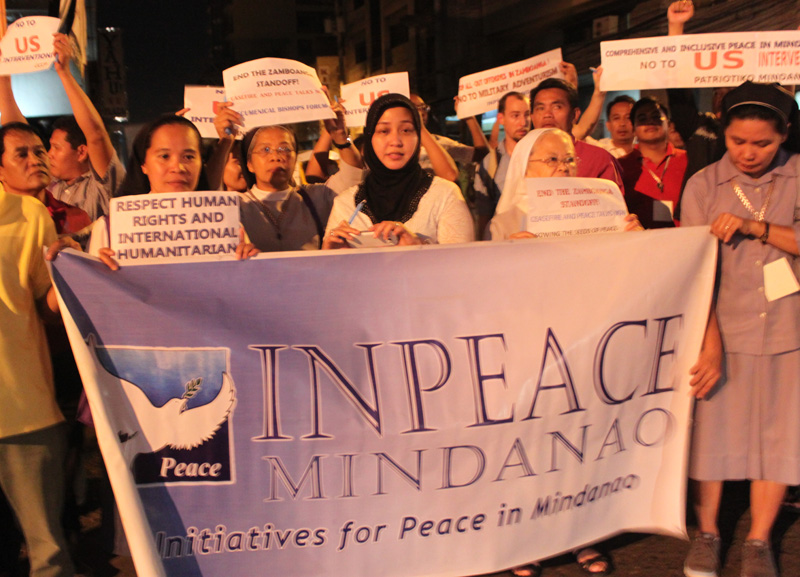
(28, 45)
(202, 102)
(357, 97)
(480, 92)
(276, 91)
(495, 414)
(701, 60)
(174, 227)
(573, 206)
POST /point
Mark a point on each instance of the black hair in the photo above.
(647, 101)
(560, 84)
(74, 134)
(619, 99)
(501, 106)
(14, 127)
(136, 181)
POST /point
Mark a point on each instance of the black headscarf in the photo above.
(136, 181)
(392, 194)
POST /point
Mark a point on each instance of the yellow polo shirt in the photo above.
(27, 396)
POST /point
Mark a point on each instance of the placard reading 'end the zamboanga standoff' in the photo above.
(701, 60)
(174, 227)
(574, 206)
(276, 91)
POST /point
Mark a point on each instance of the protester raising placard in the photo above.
(202, 103)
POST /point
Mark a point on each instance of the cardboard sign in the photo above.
(574, 206)
(271, 91)
(174, 227)
(202, 103)
(358, 96)
(480, 92)
(701, 60)
(28, 45)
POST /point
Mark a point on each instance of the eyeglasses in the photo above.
(283, 151)
(423, 108)
(555, 162)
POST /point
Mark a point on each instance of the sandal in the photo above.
(589, 560)
(529, 570)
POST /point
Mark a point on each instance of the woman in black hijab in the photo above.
(398, 202)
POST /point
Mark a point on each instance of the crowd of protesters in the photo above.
(735, 170)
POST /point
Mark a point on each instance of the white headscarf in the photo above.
(512, 207)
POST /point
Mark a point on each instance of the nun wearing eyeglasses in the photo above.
(276, 213)
(544, 152)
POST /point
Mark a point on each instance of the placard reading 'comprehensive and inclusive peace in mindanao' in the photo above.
(279, 416)
(276, 91)
(202, 103)
(480, 92)
(574, 206)
(357, 97)
(28, 45)
(174, 227)
(701, 60)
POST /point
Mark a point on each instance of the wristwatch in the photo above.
(347, 144)
(764, 237)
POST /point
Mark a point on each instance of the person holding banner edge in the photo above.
(748, 366)
(398, 201)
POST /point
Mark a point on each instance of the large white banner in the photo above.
(271, 91)
(701, 60)
(422, 411)
(480, 92)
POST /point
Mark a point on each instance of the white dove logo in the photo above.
(152, 428)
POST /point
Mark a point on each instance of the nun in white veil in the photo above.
(545, 152)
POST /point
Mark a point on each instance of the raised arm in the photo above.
(479, 142)
(678, 14)
(226, 122)
(585, 126)
(337, 129)
(98, 143)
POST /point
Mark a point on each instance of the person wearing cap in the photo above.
(746, 378)
(653, 170)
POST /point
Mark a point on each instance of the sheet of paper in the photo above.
(779, 280)
(573, 206)
(28, 45)
(357, 97)
(480, 92)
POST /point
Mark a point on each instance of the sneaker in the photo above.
(757, 559)
(703, 557)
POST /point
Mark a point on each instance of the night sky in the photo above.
(166, 46)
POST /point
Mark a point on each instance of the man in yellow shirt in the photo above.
(32, 440)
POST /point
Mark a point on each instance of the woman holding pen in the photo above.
(398, 201)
